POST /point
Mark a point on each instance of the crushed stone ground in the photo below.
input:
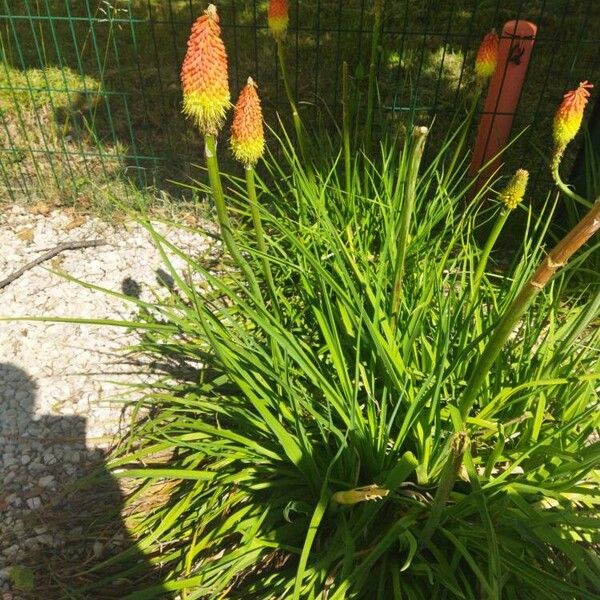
(58, 417)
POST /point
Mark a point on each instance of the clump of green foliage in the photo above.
(318, 450)
(363, 406)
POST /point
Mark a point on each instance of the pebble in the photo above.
(97, 549)
(46, 481)
(56, 379)
(34, 502)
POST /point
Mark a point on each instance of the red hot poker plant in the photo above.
(567, 122)
(204, 74)
(206, 100)
(278, 18)
(248, 146)
(569, 115)
(487, 56)
(247, 133)
(485, 65)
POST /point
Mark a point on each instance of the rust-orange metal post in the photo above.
(514, 52)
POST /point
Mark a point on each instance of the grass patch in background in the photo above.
(50, 151)
(134, 137)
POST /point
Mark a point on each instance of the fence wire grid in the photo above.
(90, 100)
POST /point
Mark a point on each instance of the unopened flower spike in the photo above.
(204, 78)
(569, 115)
(487, 56)
(278, 18)
(512, 195)
(247, 133)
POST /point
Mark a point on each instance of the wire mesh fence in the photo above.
(90, 96)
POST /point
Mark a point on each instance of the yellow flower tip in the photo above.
(487, 56)
(569, 115)
(512, 195)
(204, 77)
(247, 132)
(211, 11)
(278, 18)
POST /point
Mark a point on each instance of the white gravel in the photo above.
(57, 380)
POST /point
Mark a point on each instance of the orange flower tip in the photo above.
(204, 76)
(569, 115)
(247, 133)
(487, 56)
(278, 18)
(512, 195)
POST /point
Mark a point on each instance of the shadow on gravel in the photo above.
(61, 523)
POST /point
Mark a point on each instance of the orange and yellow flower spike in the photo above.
(204, 74)
(487, 56)
(567, 122)
(247, 133)
(278, 18)
(512, 195)
(569, 115)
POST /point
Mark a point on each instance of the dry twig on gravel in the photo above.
(73, 245)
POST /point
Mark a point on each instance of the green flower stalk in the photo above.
(278, 19)
(485, 66)
(459, 443)
(373, 74)
(346, 128)
(214, 177)
(417, 145)
(248, 146)
(511, 196)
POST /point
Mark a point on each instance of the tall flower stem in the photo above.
(346, 127)
(372, 75)
(214, 176)
(555, 259)
(465, 126)
(458, 445)
(487, 249)
(560, 184)
(417, 145)
(293, 107)
(260, 235)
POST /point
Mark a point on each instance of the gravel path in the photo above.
(57, 419)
